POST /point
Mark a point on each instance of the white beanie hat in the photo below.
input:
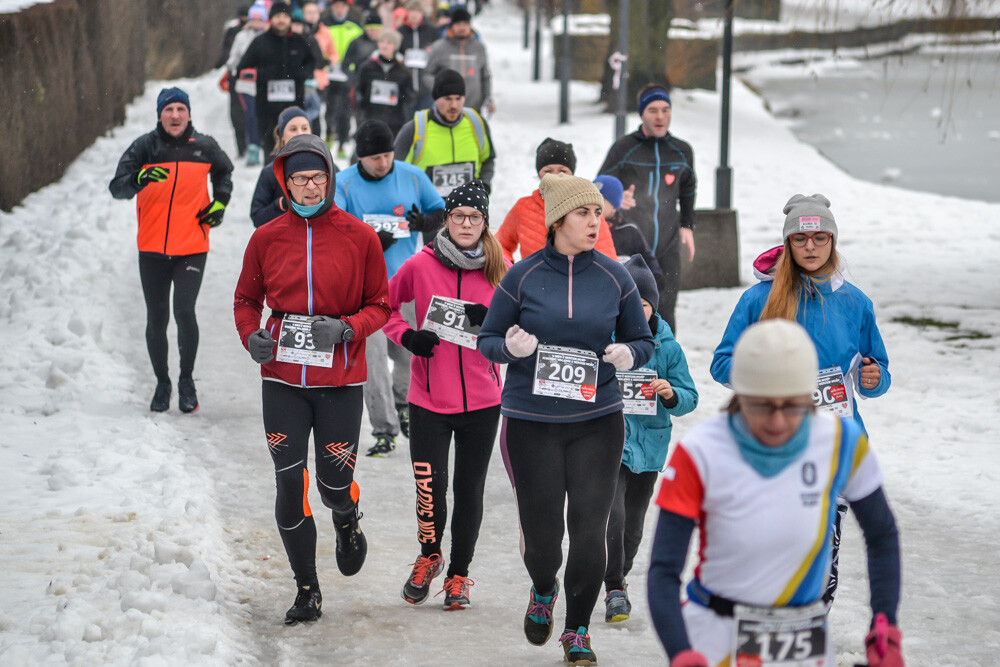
(774, 358)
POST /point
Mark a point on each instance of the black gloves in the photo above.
(476, 312)
(420, 343)
(416, 219)
(387, 239)
(152, 175)
(327, 331)
(212, 214)
(261, 346)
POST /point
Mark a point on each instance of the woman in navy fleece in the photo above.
(568, 445)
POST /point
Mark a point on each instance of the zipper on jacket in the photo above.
(461, 367)
(569, 259)
(656, 199)
(170, 206)
(309, 281)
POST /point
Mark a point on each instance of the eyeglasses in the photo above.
(766, 409)
(318, 179)
(474, 219)
(819, 238)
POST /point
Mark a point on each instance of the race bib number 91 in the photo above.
(296, 346)
(782, 637)
(565, 372)
(637, 394)
(446, 317)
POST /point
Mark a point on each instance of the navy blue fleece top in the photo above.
(577, 301)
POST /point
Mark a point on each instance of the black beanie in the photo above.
(551, 151)
(373, 138)
(472, 194)
(644, 280)
(305, 161)
(448, 82)
(280, 8)
(460, 15)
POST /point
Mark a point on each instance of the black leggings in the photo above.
(333, 415)
(628, 513)
(548, 463)
(430, 442)
(157, 273)
(669, 282)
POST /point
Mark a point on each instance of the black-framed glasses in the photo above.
(819, 238)
(474, 219)
(318, 179)
(767, 408)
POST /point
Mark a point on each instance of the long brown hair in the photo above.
(783, 301)
(495, 266)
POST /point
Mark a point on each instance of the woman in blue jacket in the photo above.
(647, 439)
(553, 320)
(801, 281)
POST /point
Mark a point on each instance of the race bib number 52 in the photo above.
(637, 394)
(565, 372)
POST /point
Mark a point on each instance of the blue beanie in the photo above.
(644, 280)
(652, 95)
(611, 189)
(305, 160)
(287, 115)
(169, 96)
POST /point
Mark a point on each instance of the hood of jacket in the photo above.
(313, 144)
(766, 262)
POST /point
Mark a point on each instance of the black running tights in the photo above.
(628, 513)
(157, 273)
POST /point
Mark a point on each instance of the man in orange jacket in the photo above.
(168, 169)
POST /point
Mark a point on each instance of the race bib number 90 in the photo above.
(565, 372)
(446, 317)
(782, 637)
(296, 346)
(637, 394)
(831, 392)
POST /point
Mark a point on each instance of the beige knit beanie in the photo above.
(563, 193)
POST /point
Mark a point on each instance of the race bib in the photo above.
(281, 90)
(637, 394)
(781, 637)
(446, 317)
(337, 73)
(447, 177)
(399, 227)
(295, 343)
(565, 372)
(415, 58)
(246, 83)
(385, 92)
(463, 64)
(831, 392)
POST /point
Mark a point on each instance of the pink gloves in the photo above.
(883, 644)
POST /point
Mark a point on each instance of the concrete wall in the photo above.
(69, 68)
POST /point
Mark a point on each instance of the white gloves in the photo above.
(619, 355)
(519, 342)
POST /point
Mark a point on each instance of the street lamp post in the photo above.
(724, 173)
(564, 65)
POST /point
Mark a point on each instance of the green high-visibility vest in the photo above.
(436, 144)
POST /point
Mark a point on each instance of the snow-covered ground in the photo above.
(134, 538)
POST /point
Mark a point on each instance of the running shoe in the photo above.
(352, 546)
(417, 587)
(308, 605)
(384, 445)
(456, 592)
(161, 397)
(254, 153)
(187, 395)
(617, 607)
(576, 647)
(403, 412)
(538, 618)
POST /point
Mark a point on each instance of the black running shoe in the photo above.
(308, 605)
(161, 397)
(352, 547)
(187, 396)
(403, 412)
(384, 445)
(538, 618)
(418, 585)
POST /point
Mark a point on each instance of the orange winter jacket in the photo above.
(525, 225)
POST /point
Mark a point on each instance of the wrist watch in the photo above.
(348, 332)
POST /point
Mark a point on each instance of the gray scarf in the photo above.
(451, 256)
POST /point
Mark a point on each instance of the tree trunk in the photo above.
(649, 22)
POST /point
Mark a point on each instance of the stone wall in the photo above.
(69, 68)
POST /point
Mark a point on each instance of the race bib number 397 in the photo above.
(565, 372)
(296, 346)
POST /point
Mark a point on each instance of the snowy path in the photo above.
(133, 538)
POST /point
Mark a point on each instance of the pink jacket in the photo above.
(456, 379)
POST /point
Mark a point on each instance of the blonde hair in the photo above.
(495, 266)
(783, 301)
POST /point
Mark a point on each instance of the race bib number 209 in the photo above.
(565, 372)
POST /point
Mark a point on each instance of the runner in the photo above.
(384, 90)
(627, 238)
(322, 274)
(761, 483)
(338, 106)
(464, 263)
(647, 438)
(524, 225)
(551, 320)
(801, 281)
(167, 169)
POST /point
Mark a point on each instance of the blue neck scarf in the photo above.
(768, 461)
(306, 211)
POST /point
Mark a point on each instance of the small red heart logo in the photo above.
(647, 391)
(839, 393)
(669, 178)
(588, 391)
(399, 210)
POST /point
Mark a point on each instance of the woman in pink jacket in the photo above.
(453, 389)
